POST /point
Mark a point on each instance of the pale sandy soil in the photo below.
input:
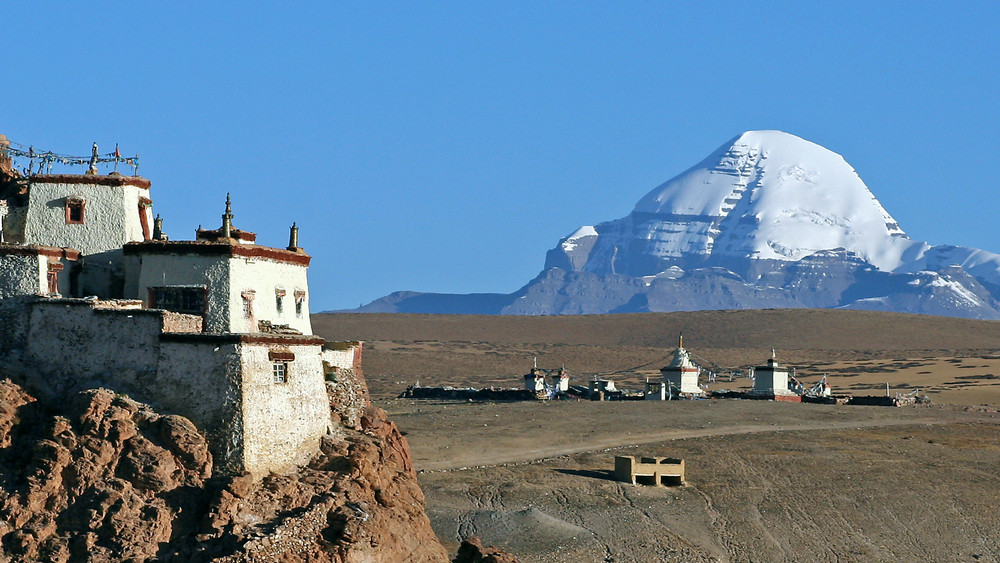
(766, 481)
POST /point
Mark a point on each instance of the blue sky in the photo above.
(446, 146)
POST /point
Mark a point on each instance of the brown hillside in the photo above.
(788, 329)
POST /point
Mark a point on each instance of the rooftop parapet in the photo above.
(218, 248)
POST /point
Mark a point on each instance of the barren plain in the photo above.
(765, 481)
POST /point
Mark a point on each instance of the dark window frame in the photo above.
(185, 299)
(75, 211)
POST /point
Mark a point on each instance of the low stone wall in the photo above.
(488, 394)
(179, 322)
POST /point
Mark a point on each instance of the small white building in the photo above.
(560, 380)
(771, 379)
(94, 215)
(681, 375)
(655, 391)
(534, 381)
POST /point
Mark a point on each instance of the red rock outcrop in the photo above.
(472, 551)
(104, 478)
(101, 479)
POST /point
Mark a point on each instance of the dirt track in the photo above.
(453, 435)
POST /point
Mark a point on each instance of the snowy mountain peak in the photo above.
(768, 220)
(762, 195)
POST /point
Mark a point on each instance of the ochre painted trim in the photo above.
(35, 250)
(136, 181)
(217, 249)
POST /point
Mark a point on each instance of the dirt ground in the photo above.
(766, 481)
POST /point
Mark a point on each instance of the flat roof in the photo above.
(109, 180)
(214, 248)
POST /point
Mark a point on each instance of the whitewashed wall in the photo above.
(15, 315)
(185, 269)
(201, 380)
(74, 345)
(770, 380)
(227, 278)
(343, 357)
(111, 216)
(282, 422)
(685, 381)
(263, 277)
(13, 224)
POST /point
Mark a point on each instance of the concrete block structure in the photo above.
(771, 380)
(215, 329)
(657, 471)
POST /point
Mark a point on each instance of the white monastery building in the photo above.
(215, 329)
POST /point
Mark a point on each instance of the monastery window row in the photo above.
(190, 300)
(279, 301)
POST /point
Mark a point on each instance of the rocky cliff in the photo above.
(100, 477)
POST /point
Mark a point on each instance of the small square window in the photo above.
(280, 371)
(74, 211)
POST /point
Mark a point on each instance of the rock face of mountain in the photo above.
(767, 220)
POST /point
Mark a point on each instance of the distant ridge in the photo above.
(768, 220)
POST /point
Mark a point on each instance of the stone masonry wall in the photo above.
(14, 318)
(179, 322)
(211, 272)
(22, 275)
(201, 380)
(78, 347)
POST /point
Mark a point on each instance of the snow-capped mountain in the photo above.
(762, 195)
(767, 220)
